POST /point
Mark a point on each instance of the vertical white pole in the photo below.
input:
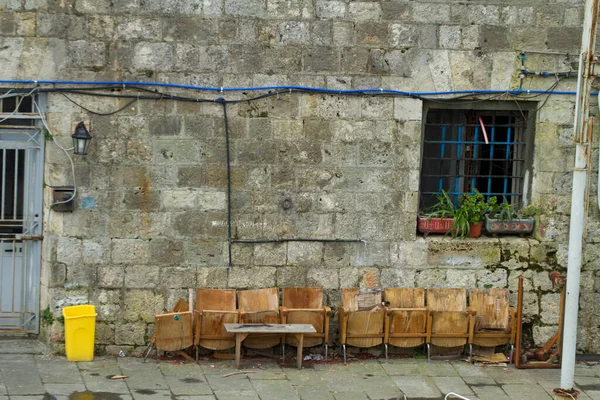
(583, 141)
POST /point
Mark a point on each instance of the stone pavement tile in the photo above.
(372, 367)
(196, 397)
(275, 390)
(452, 384)
(479, 381)
(439, 368)
(107, 385)
(584, 370)
(423, 387)
(260, 375)
(545, 375)
(510, 376)
(351, 396)
(21, 376)
(379, 387)
(304, 377)
(533, 392)
(234, 382)
(147, 380)
(592, 394)
(187, 385)
(314, 393)
(404, 368)
(222, 367)
(54, 369)
(466, 369)
(490, 393)
(64, 388)
(151, 394)
(338, 382)
(584, 382)
(235, 395)
(180, 369)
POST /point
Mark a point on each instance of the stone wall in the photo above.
(151, 217)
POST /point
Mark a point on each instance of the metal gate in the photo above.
(21, 180)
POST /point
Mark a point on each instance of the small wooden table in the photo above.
(243, 330)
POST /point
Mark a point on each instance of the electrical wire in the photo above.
(66, 151)
(99, 113)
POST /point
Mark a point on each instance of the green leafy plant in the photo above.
(504, 211)
(475, 206)
(444, 208)
(471, 209)
(46, 317)
(508, 212)
(531, 211)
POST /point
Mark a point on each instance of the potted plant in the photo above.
(506, 219)
(468, 216)
(439, 217)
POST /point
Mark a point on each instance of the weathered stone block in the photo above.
(142, 305)
(398, 277)
(105, 333)
(321, 59)
(69, 251)
(178, 278)
(132, 334)
(460, 278)
(142, 277)
(270, 254)
(209, 277)
(304, 253)
(549, 306)
(434, 278)
(403, 35)
(111, 277)
(153, 56)
(464, 253)
(166, 251)
(330, 9)
(497, 278)
(364, 11)
(322, 278)
(370, 254)
(291, 276)
(252, 278)
(130, 251)
(245, 8)
(430, 13)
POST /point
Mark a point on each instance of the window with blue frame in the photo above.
(488, 149)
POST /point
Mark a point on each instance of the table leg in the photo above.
(299, 353)
(238, 349)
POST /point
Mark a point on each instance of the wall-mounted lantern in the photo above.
(81, 139)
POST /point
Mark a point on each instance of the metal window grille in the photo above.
(457, 159)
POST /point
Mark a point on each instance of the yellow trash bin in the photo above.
(80, 329)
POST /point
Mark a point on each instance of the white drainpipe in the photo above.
(583, 133)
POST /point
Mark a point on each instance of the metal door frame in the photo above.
(22, 315)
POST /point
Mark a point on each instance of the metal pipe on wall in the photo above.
(583, 133)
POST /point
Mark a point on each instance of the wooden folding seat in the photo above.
(407, 318)
(451, 321)
(260, 306)
(495, 322)
(360, 327)
(215, 307)
(305, 306)
(173, 331)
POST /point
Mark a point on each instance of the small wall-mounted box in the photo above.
(63, 199)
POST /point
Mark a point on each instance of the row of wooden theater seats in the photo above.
(216, 307)
(411, 317)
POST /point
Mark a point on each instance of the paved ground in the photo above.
(31, 376)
